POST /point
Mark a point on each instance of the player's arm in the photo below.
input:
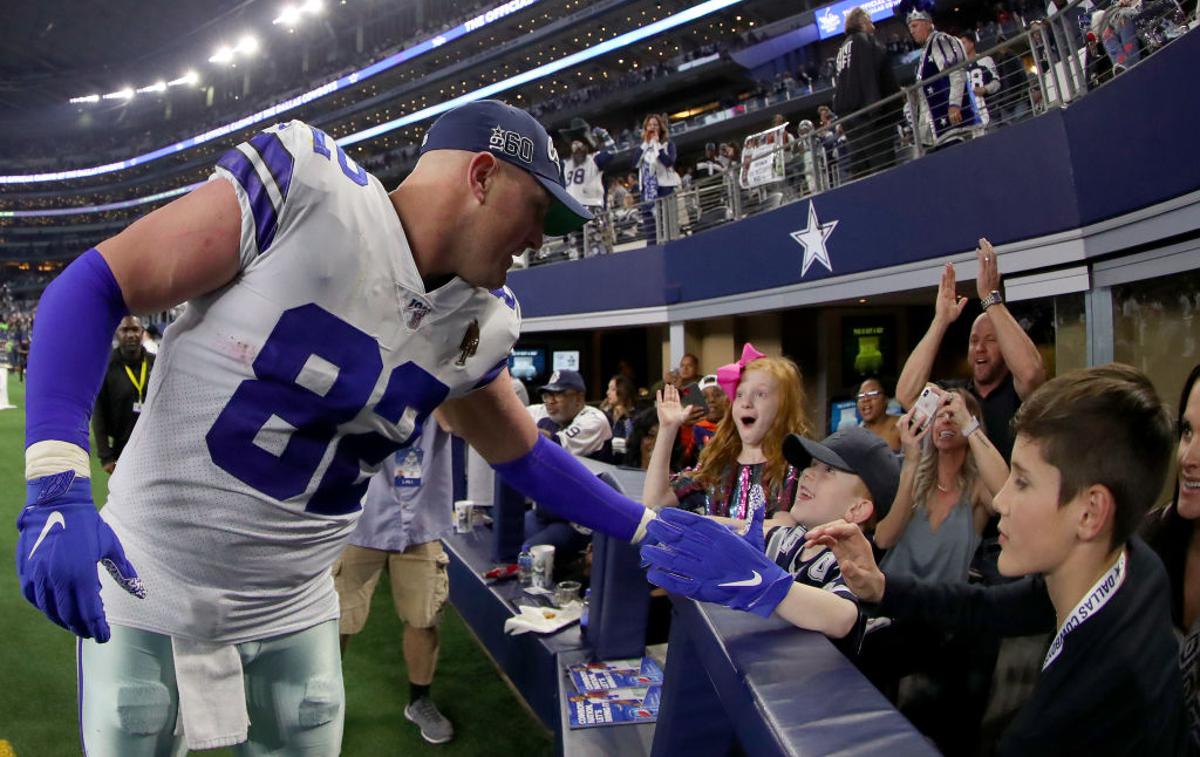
(181, 250)
(493, 421)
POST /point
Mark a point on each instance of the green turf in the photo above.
(37, 663)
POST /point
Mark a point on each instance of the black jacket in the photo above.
(864, 75)
(113, 418)
(1114, 688)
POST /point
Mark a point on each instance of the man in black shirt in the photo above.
(864, 77)
(1005, 365)
(121, 395)
(1110, 681)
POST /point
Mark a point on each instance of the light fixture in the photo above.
(86, 99)
(223, 54)
(121, 94)
(247, 45)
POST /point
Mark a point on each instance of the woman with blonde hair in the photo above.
(950, 474)
(743, 464)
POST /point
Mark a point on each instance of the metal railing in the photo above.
(1053, 63)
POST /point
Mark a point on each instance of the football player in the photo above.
(326, 319)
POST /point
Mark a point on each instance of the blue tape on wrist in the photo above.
(550, 476)
(68, 354)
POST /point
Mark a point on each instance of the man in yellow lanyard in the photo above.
(121, 395)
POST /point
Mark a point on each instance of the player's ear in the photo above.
(481, 172)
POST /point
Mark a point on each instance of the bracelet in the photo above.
(971, 428)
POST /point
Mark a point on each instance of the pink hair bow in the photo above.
(728, 376)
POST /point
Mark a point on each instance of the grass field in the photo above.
(37, 663)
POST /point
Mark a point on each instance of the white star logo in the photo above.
(812, 238)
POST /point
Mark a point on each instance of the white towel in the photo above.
(212, 693)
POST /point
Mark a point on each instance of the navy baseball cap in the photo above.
(517, 138)
(854, 450)
(565, 381)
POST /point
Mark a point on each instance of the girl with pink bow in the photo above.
(743, 463)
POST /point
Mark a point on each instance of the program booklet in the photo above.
(638, 672)
(615, 692)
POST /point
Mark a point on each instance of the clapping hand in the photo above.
(949, 305)
(988, 278)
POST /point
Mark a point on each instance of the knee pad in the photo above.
(143, 708)
(322, 701)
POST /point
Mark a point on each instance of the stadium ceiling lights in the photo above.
(247, 45)
(392, 61)
(189, 79)
(290, 15)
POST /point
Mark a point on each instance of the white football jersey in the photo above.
(584, 181)
(275, 398)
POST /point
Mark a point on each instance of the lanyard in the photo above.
(139, 385)
(1098, 596)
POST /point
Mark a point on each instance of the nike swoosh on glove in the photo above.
(62, 538)
(702, 559)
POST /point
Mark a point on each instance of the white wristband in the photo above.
(53, 456)
(640, 532)
(971, 428)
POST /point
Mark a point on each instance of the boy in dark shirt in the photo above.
(1091, 451)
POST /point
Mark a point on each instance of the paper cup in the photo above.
(543, 566)
(463, 516)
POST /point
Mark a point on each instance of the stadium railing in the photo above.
(1052, 64)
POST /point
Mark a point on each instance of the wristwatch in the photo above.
(994, 298)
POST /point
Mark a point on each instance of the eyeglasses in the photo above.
(869, 395)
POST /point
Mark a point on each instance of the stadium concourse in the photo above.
(531, 376)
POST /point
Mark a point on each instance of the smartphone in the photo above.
(926, 406)
(692, 396)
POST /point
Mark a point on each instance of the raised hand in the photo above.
(912, 433)
(699, 558)
(988, 278)
(855, 558)
(949, 305)
(671, 412)
(953, 401)
(62, 538)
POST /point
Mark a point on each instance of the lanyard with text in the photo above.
(139, 385)
(1096, 598)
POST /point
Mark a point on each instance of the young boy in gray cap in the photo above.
(851, 475)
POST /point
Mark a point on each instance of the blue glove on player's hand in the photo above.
(702, 559)
(62, 539)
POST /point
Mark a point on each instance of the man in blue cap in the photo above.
(565, 418)
(327, 318)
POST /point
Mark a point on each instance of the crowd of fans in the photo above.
(924, 481)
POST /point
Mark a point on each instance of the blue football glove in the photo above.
(62, 539)
(699, 558)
